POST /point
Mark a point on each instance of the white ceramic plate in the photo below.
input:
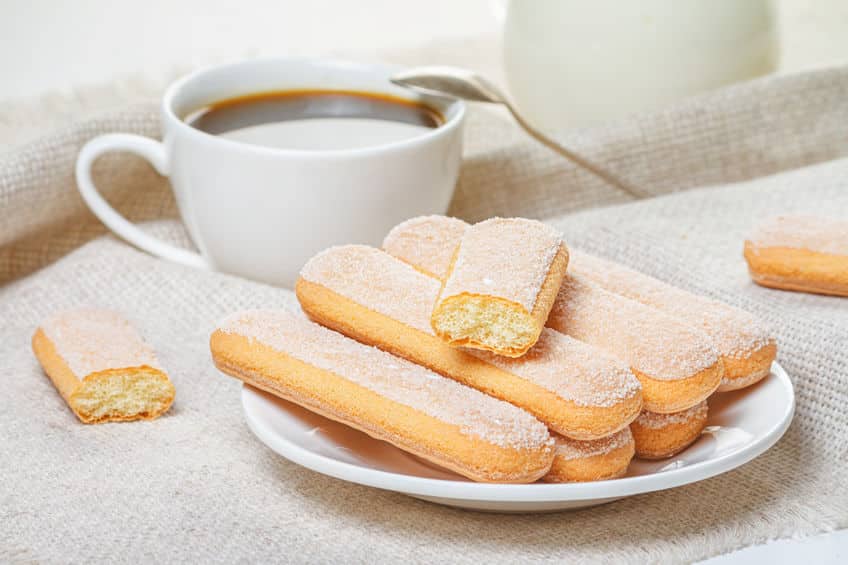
(742, 425)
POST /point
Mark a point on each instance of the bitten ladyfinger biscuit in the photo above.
(102, 367)
(384, 396)
(596, 460)
(745, 345)
(659, 436)
(802, 253)
(501, 286)
(677, 365)
(366, 294)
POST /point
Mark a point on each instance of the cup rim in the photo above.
(451, 123)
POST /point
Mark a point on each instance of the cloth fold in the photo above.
(742, 132)
(196, 485)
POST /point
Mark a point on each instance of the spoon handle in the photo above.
(575, 158)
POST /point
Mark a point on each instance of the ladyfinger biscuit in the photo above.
(427, 243)
(802, 253)
(384, 396)
(102, 367)
(746, 347)
(501, 285)
(659, 436)
(596, 460)
(677, 365)
(365, 293)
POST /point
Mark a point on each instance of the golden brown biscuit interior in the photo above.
(101, 367)
(501, 286)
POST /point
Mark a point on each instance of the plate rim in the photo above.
(534, 492)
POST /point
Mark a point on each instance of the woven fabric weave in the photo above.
(196, 485)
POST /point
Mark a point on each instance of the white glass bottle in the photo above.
(579, 62)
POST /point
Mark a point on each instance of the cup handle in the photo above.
(154, 152)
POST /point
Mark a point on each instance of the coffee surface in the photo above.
(315, 119)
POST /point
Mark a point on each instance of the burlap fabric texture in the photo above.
(195, 485)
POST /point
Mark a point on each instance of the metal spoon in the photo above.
(467, 85)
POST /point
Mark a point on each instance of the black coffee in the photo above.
(315, 119)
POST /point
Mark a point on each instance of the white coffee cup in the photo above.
(261, 212)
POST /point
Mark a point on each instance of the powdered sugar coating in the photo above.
(654, 421)
(571, 369)
(376, 280)
(571, 449)
(654, 343)
(426, 242)
(821, 235)
(92, 340)
(396, 379)
(734, 332)
(504, 257)
(650, 341)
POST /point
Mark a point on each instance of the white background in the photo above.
(50, 44)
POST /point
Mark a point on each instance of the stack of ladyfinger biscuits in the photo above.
(494, 352)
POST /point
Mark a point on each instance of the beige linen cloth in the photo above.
(197, 486)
